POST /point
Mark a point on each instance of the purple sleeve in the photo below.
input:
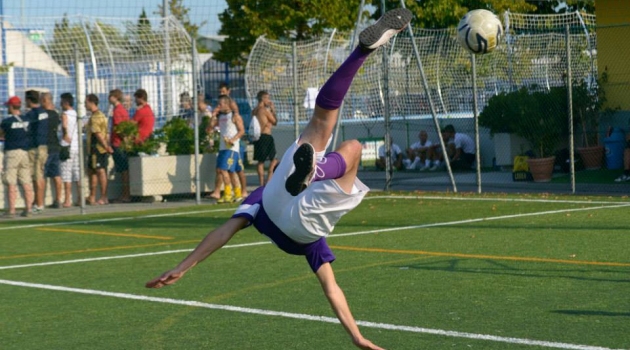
(318, 253)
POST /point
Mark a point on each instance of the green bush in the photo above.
(538, 116)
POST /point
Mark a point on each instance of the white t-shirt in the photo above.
(417, 145)
(71, 115)
(464, 142)
(395, 151)
(228, 129)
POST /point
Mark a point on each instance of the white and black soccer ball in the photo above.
(479, 31)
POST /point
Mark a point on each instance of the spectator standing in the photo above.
(224, 89)
(52, 168)
(17, 142)
(264, 147)
(626, 162)
(144, 116)
(128, 105)
(229, 159)
(38, 154)
(70, 168)
(98, 150)
(121, 163)
(397, 156)
(186, 110)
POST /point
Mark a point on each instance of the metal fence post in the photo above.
(473, 62)
(296, 107)
(570, 107)
(195, 83)
(79, 93)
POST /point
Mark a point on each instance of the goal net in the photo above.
(154, 54)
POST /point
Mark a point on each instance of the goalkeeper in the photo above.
(310, 190)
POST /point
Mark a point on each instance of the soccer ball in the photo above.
(479, 31)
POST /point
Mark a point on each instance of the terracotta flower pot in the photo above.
(541, 168)
(592, 157)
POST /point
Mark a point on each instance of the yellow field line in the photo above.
(88, 250)
(478, 256)
(115, 234)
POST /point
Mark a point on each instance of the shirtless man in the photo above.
(264, 147)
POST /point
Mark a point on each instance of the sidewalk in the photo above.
(496, 181)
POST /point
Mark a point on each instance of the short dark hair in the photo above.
(117, 94)
(224, 84)
(141, 93)
(92, 98)
(225, 98)
(67, 97)
(449, 128)
(32, 96)
(261, 94)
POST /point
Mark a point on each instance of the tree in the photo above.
(245, 20)
(180, 12)
(447, 13)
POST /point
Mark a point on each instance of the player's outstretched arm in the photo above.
(340, 306)
(213, 241)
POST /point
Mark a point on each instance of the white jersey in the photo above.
(418, 145)
(464, 142)
(228, 129)
(395, 151)
(71, 115)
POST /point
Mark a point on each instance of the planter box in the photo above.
(508, 146)
(153, 176)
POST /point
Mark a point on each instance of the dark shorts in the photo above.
(464, 162)
(98, 161)
(52, 167)
(264, 148)
(121, 163)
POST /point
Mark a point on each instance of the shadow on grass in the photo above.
(506, 269)
(591, 313)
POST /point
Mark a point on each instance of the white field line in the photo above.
(473, 199)
(329, 237)
(64, 223)
(307, 317)
(233, 209)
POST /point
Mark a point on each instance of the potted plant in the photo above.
(539, 116)
(171, 171)
(588, 102)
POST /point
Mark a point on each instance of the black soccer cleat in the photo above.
(304, 161)
(386, 27)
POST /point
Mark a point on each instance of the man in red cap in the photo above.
(17, 142)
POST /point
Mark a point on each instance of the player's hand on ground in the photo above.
(165, 279)
(366, 344)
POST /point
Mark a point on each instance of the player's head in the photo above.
(141, 97)
(115, 96)
(66, 101)
(45, 98)
(223, 104)
(91, 102)
(224, 89)
(263, 96)
(422, 135)
(185, 101)
(32, 98)
(13, 105)
(448, 131)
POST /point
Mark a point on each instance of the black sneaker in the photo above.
(304, 161)
(386, 27)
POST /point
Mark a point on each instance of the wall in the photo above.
(613, 50)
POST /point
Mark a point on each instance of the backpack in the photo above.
(254, 129)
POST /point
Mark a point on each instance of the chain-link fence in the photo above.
(522, 93)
